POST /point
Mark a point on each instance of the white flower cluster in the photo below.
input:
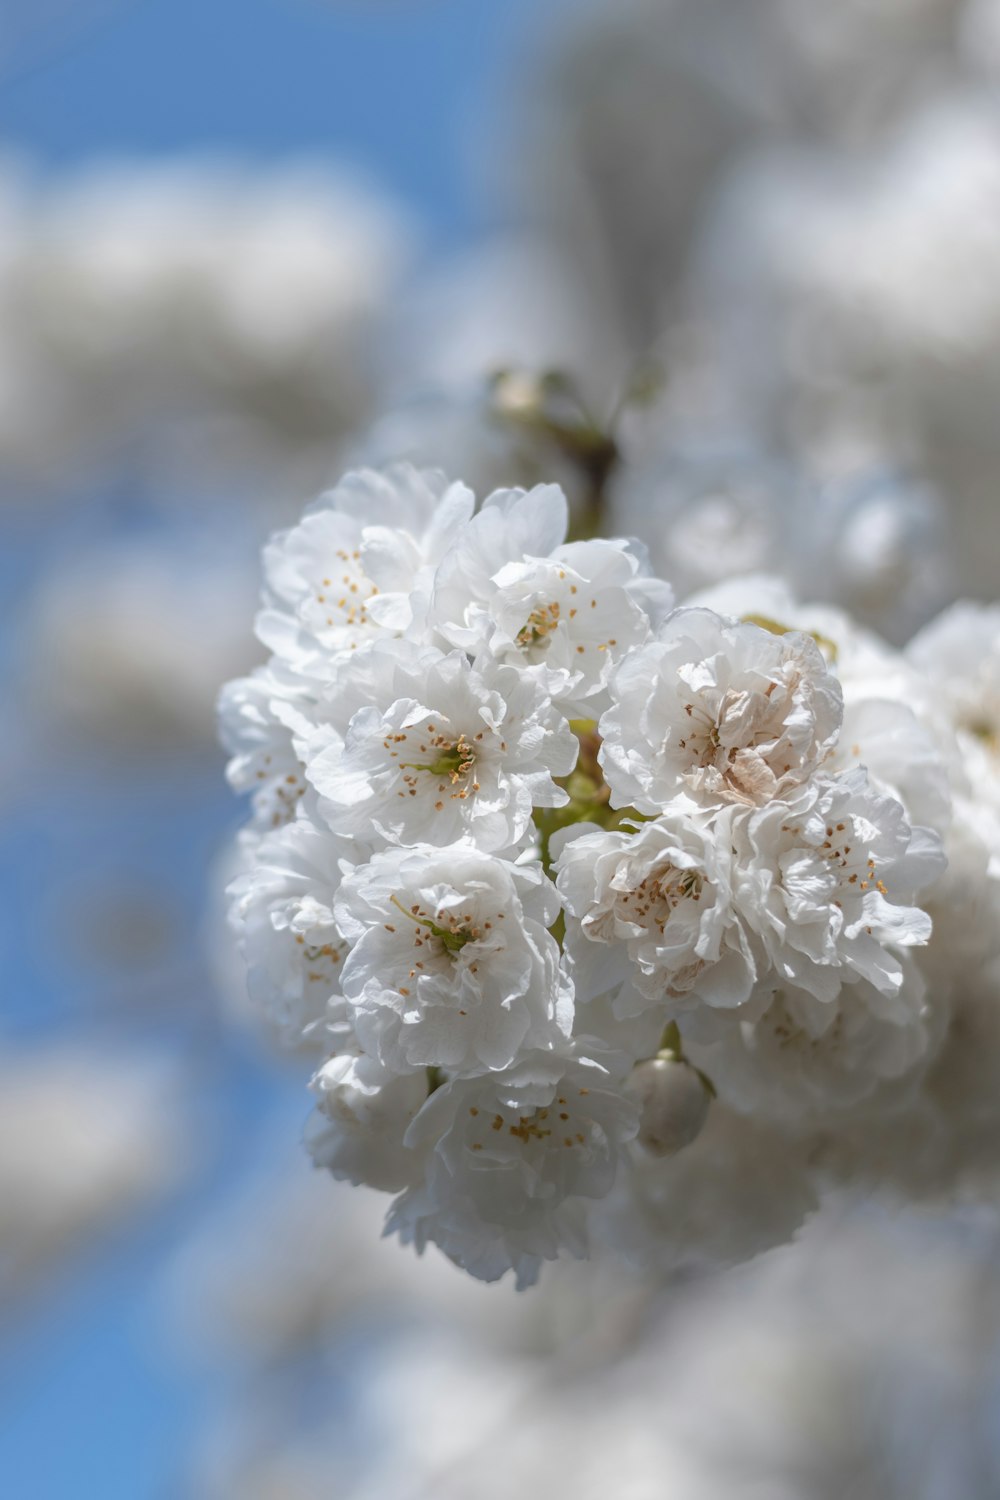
(552, 873)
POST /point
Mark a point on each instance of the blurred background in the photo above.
(727, 269)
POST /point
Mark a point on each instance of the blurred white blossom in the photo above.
(89, 1138)
(206, 319)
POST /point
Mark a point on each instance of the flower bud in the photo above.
(673, 1101)
(519, 394)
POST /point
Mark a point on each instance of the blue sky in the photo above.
(399, 86)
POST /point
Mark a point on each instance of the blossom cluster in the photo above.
(567, 885)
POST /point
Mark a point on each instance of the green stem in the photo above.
(670, 1041)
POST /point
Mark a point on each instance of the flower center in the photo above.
(455, 762)
(542, 621)
(452, 932)
(452, 759)
(346, 594)
(986, 732)
(321, 959)
(702, 738)
(838, 851)
(556, 1122)
(655, 900)
(790, 1035)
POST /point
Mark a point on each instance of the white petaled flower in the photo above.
(256, 719)
(443, 751)
(510, 1162)
(725, 711)
(959, 653)
(565, 611)
(509, 526)
(282, 909)
(902, 756)
(787, 1055)
(571, 616)
(827, 881)
(362, 1115)
(865, 665)
(742, 1186)
(452, 965)
(889, 726)
(660, 899)
(358, 565)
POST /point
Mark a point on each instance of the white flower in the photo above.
(661, 899)
(443, 751)
(356, 566)
(902, 756)
(741, 1187)
(611, 1020)
(451, 964)
(890, 725)
(866, 666)
(573, 615)
(959, 653)
(361, 1119)
(511, 1157)
(293, 948)
(729, 712)
(256, 719)
(509, 526)
(826, 880)
(965, 904)
(567, 611)
(787, 1055)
